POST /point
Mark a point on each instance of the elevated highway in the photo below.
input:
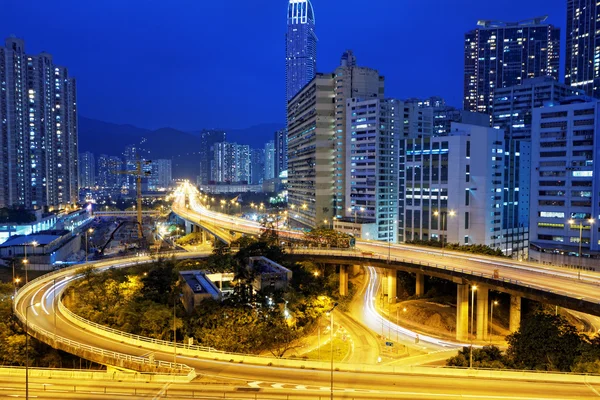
(548, 284)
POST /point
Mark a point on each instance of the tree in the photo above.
(158, 282)
(486, 357)
(544, 342)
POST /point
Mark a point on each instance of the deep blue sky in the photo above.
(190, 64)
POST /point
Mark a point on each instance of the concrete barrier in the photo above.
(87, 375)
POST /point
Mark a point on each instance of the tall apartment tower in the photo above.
(161, 176)
(87, 170)
(257, 166)
(372, 160)
(565, 189)
(280, 151)
(351, 81)
(208, 138)
(301, 46)
(270, 160)
(501, 54)
(512, 112)
(38, 134)
(582, 66)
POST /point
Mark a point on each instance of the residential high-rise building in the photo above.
(161, 176)
(38, 134)
(131, 157)
(87, 170)
(114, 180)
(373, 163)
(301, 46)
(231, 163)
(512, 112)
(102, 171)
(502, 54)
(453, 186)
(311, 133)
(582, 66)
(208, 138)
(270, 161)
(351, 81)
(280, 151)
(257, 166)
(565, 189)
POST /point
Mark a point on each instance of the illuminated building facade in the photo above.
(502, 54)
(301, 46)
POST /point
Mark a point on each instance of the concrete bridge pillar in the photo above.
(420, 290)
(392, 290)
(482, 312)
(203, 235)
(188, 227)
(462, 313)
(515, 314)
(343, 280)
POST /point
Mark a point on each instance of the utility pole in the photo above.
(138, 172)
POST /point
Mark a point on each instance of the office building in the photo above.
(87, 170)
(564, 183)
(301, 46)
(280, 151)
(208, 138)
(373, 146)
(453, 186)
(38, 109)
(502, 54)
(257, 166)
(270, 161)
(512, 113)
(582, 64)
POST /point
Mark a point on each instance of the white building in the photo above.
(453, 186)
(372, 155)
(565, 190)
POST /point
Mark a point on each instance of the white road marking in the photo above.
(162, 391)
(300, 387)
(593, 389)
(277, 386)
(255, 384)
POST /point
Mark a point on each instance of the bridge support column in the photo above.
(420, 290)
(392, 290)
(203, 235)
(188, 227)
(515, 314)
(343, 280)
(482, 312)
(462, 313)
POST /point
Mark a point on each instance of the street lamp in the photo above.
(444, 223)
(473, 290)
(494, 303)
(27, 348)
(331, 343)
(86, 243)
(572, 223)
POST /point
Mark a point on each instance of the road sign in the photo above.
(389, 344)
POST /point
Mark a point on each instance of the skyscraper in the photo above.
(582, 66)
(161, 175)
(270, 161)
(38, 133)
(257, 166)
(500, 54)
(87, 170)
(280, 151)
(208, 138)
(301, 46)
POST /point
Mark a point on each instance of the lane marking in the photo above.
(162, 391)
(593, 389)
(255, 384)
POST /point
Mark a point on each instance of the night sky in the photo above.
(215, 63)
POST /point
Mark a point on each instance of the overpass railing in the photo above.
(369, 256)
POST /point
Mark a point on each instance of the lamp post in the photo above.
(473, 290)
(27, 348)
(86, 243)
(494, 303)
(444, 225)
(572, 223)
(331, 343)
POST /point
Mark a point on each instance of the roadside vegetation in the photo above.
(144, 300)
(545, 342)
(473, 249)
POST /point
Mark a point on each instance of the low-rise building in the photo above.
(268, 275)
(196, 287)
(43, 250)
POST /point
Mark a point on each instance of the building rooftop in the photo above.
(504, 24)
(42, 238)
(199, 283)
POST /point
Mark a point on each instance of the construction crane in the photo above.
(138, 172)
